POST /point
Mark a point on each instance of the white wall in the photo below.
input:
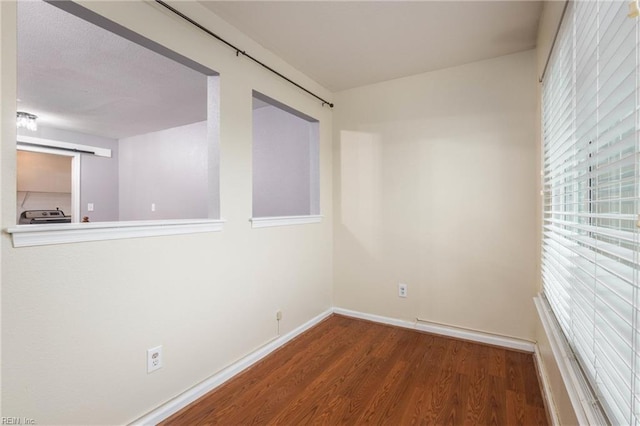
(209, 298)
(167, 168)
(43, 172)
(435, 187)
(282, 163)
(7, 156)
(98, 175)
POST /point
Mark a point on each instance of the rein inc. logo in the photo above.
(17, 421)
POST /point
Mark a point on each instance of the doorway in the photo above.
(48, 179)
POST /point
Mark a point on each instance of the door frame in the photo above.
(75, 171)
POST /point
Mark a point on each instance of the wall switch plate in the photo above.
(154, 359)
(90, 207)
(402, 290)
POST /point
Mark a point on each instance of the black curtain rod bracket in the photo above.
(553, 42)
(240, 51)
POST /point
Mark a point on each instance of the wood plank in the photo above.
(349, 371)
(496, 411)
(478, 399)
(516, 408)
(315, 394)
(418, 404)
(513, 371)
(454, 410)
(364, 381)
(306, 378)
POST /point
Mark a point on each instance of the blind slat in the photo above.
(591, 161)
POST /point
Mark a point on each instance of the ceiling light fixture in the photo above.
(26, 120)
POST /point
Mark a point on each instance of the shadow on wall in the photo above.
(360, 179)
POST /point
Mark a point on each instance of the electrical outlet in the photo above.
(154, 359)
(90, 207)
(279, 315)
(402, 290)
(153, 207)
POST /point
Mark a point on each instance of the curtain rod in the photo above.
(240, 51)
(553, 43)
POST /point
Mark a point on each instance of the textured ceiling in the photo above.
(77, 76)
(345, 44)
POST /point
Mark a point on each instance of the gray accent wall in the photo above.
(168, 168)
(99, 184)
(314, 167)
(285, 156)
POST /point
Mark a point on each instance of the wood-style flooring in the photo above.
(349, 371)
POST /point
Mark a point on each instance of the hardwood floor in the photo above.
(349, 371)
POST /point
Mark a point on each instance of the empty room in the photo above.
(319, 212)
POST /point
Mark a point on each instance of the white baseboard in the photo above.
(443, 330)
(176, 404)
(549, 402)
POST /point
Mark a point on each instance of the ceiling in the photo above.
(345, 44)
(76, 76)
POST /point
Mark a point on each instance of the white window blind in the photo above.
(590, 250)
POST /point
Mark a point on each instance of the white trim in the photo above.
(582, 402)
(75, 187)
(445, 330)
(61, 233)
(179, 402)
(264, 222)
(550, 403)
(100, 152)
(174, 405)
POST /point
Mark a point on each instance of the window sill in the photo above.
(582, 400)
(265, 222)
(63, 233)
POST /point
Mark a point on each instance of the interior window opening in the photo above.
(83, 79)
(285, 160)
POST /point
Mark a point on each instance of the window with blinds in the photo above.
(591, 183)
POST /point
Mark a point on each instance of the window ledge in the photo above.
(62, 233)
(264, 222)
(584, 403)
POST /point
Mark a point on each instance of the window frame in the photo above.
(63, 233)
(315, 215)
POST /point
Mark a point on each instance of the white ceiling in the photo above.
(345, 44)
(74, 75)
